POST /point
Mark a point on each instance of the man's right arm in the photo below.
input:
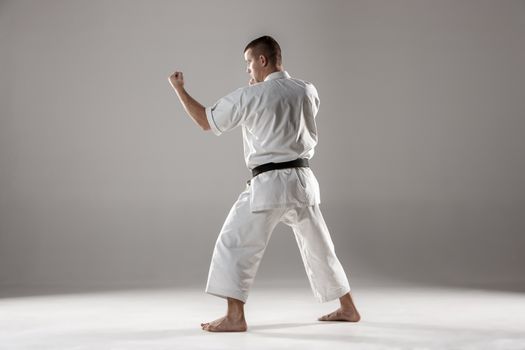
(194, 109)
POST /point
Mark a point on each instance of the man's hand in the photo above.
(177, 80)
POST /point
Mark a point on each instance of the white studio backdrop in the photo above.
(104, 181)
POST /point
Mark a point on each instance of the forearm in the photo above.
(194, 109)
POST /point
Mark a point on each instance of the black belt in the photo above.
(297, 163)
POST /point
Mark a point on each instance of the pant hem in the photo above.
(334, 295)
(225, 293)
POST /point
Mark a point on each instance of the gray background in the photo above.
(104, 181)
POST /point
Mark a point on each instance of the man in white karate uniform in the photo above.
(276, 113)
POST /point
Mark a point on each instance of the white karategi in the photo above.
(277, 119)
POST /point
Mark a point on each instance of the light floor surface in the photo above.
(393, 317)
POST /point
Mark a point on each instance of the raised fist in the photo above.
(177, 80)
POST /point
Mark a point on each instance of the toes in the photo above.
(211, 328)
(339, 315)
(328, 317)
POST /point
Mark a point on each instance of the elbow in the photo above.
(205, 126)
(203, 121)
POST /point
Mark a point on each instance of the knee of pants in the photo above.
(235, 245)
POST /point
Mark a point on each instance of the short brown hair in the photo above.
(268, 47)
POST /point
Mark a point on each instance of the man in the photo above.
(276, 113)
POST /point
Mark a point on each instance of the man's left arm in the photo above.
(194, 109)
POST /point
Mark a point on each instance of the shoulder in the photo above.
(310, 87)
(307, 86)
(236, 96)
(248, 91)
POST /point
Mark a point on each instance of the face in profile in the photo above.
(255, 66)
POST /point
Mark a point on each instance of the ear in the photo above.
(263, 60)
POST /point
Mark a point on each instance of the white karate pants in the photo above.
(243, 239)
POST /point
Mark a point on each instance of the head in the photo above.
(263, 56)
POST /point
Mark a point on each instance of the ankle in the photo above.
(235, 315)
(235, 308)
(348, 309)
(346, 303)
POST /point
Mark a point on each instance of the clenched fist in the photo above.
(177, 80)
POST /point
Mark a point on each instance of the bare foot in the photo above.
(226, 324)
(341, 315)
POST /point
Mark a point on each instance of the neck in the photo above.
(273, 70)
